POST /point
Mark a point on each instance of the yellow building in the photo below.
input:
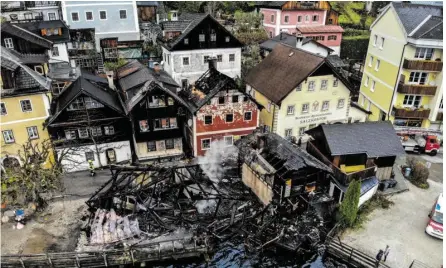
(25, 104)
(300, 90)
(402, 78)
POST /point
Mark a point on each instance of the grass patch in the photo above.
(356, 37)
(377, 201)
(350, 13)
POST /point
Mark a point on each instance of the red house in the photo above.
(220, 110)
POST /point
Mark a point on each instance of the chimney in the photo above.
(173, 15)
(110, 75)
(299, 40)
(212, 61)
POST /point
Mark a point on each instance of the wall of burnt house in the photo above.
(303, 181)
(23, 46)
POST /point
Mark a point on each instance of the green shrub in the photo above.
(420, 173)
(349, 206)
(354, 47)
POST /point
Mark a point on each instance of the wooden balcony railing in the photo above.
(439, 116)
(344, 178)
(416, 89)
(425, 65)
(408, 113)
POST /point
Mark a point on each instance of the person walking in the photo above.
(386, 252)
(91, 167)
(299, 142)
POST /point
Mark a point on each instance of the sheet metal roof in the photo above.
(431, 29)
(412, 15)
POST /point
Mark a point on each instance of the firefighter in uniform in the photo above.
(91, 167)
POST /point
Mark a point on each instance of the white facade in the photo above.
(76, 161)
(62, 51)
(48, 12)
(143, 152)
(362, 199)
(175, 64)
(313, 47)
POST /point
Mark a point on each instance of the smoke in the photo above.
(215, 159)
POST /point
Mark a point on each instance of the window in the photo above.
(299, 18)
(91, 103)
(301, 131)
(9, 43)
(205, 59)
(109, 130)
(151, 146)
(382, 43)
(229, 118)
(3, 109)
(70, 134)
(286, 19)
(378, 62)
(290, 110)
(324, 84)
(268, 107)
(418, 78)
(375, 40)
(245, 98)
(32, 133)
(229, 140)
(185, 61)
(227, 39)
(288, 132)
(213, 37)
(96, 131)
(332, 37)
(186, 41)
(201, 37)
(373, 86)
(311, 85)
(299, 87)
(208, 119)
(371, 61)
(8, 136)
(424, 53)
(74, 16)
(366, 83)
(221, 100)
(144, 125)
(77, 104)
(235, 99)
(103, 15)
(315, 17)
(170, 144)
(441, 104)
(219, 58)
(272, 18)
(231, 57)
(307, 18)
(39, 69)
(205, 144)
(83, 133)
(325, 105)
(89, 156)
(51, 16)
(248, 116)
(55, 51)
(335, 82)
(305, 108)
(173, 122)
(123, 14)
(88, 15)
(26, 105)
(412, 100)
(341, 103)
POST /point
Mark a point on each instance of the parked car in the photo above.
(435, 224)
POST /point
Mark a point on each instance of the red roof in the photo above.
(320, 29)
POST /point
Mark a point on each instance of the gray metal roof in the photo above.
(412, 15)
(175, 26)
(283, 38)
(336, 61)
(25, 34)
(431, 29)
(376, 139)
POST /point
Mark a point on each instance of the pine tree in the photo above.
(349, 206)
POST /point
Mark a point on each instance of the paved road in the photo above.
(436, 169)
(81, 184)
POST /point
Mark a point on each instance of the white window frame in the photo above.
(48, 14)
(105, 14)
(372, 88)
(248, 112)
(324, 85)
(78, 17)
(92, 15)
(341, 101)
(30, 103)
(411, 102)
(290, 109)
(202, 144)
(42, 72)
(182, 61)
(305, 111)
(204, 120)
(375, 40)
(200, 39)
(311, 85)
(6, 110)
(421, 52)
(288, 132)
(286, 19)
(34, 133)
(381, 45)
(325, 106)
(8, 136)
(206, 59)
(366, 83)
(232, 140)
(378, 63)
(227, 39)
(81, 130)
(371, 61)
(96, 131)
(417, 81)
(300, 16)
(125, 14)
(302, 131)
(9, 43)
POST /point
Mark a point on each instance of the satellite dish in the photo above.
(189, 122)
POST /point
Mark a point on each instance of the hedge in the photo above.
(354, 47)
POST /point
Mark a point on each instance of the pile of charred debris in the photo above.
(179, 211)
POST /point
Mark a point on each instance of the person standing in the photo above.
(91, 167)
(386, 252)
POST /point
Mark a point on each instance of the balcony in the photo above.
(80, 45)
(439, 116)
(338, 174)
(411, 113)
(423, 65)
(416, 89)
(37, 4)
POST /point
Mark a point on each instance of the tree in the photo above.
(349, 206)
(249, 61)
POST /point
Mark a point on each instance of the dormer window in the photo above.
(186, 41)
(201, 37)
(227, 39)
